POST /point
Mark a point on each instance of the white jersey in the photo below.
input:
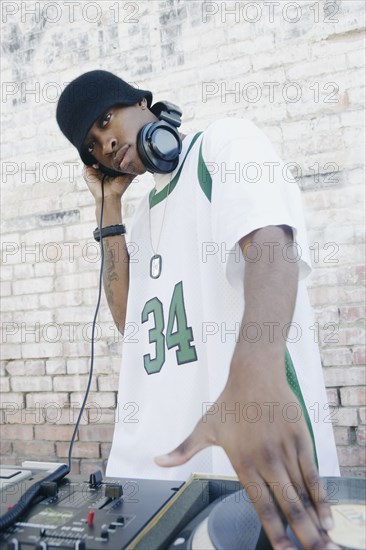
(182, 327)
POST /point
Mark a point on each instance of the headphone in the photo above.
(158, 143)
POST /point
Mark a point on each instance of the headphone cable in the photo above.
(93, 330)
(36, 489)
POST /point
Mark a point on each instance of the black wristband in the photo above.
(109, 231)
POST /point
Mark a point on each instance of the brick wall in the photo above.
(295, 68)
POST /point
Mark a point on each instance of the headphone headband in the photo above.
(165, 110)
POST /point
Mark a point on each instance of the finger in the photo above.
(91, 174)
(315, 488)
(194, 443)
(295, 503)
(261, 498)
(301, 490)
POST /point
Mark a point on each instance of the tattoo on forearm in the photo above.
(110, 274)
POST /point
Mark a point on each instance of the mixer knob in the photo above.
(104, 533)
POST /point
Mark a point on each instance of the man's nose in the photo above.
(109, 145)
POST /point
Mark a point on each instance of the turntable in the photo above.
(205, 513)
(231, 522)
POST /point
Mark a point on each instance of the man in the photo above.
(230, 388)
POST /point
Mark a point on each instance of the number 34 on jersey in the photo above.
(176, 335)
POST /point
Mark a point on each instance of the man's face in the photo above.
(112, 138)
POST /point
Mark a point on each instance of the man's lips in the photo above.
(119, 157)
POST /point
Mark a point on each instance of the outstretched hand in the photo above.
(271, 453)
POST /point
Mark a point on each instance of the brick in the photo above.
(24, 416)
(361, 435)
(46, 399)
(41, 349)
(6, 273)
(24, 302)
(353, 396)
(359, 356)
(350, 336)
(78, 365)
(108, 365)
(4, 384)
(352, 313)
(23, 270)
(35, 450)
(55, 366)
(31, 383)
(5, 448)
(89, 467)
(104, 416)
(75, 466)
(11, 400)
(62, 299)
(108, 383)
(72, 383)
(362, 413)
(98, 433)
(44, 269)
(54, 433)
(351, 456)
(82, 349)
(46, 239)
(81, 315)
(28, 368)
(344, 417)
(332, 396)
(9, 351)
(105, 449)
(5, 288)
(39, 285)
(80, 449)
(96, 400)
(341, 435)
(77, 280)
(344, 376)
(334, 357)
(16, 431)
(10, 461)
(353, 471)
(66, 415)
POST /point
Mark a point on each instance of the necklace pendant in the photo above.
(155, 266)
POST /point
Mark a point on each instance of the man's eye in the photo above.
(91, 147)
(106, 119)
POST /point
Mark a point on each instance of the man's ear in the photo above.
(143, 103)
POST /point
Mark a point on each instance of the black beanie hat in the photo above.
(86, 98)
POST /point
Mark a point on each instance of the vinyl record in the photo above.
(347, 499)
(234, 523)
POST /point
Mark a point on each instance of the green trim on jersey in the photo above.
(154, 197)
(295, 387)
(204, 176)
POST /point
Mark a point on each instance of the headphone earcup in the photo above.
(159, 146)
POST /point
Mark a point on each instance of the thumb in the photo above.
(194, 443)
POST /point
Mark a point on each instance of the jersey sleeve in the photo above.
(251, 188)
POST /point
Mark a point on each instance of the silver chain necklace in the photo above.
(156, 261)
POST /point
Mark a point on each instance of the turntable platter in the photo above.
(234, 523)
(231, 522)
